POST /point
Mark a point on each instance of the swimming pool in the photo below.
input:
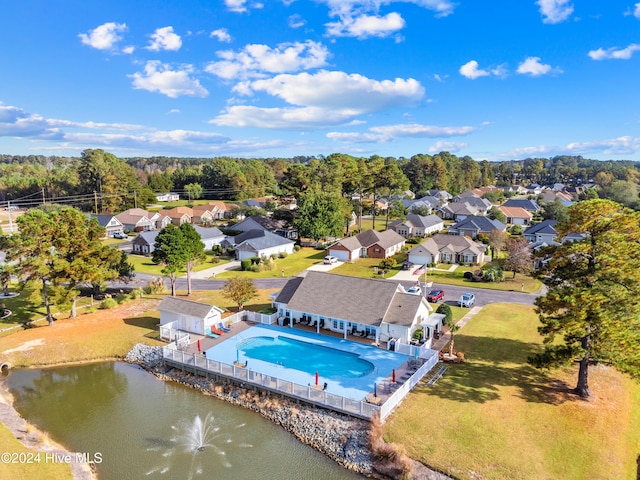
(350, 382)
(305, 356)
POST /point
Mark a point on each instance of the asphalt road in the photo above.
(451, 292)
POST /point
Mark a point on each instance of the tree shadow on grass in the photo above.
(147, 322)
(494, 363)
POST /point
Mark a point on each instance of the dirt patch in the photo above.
(25, 346)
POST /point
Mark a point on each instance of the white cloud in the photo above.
(364, 26)
(105, 36)
(255, 60)
(471, 70)
(165, 39)
(636, 11)
(614, 53)
(296, 21)
(159, 77)
(341, 90)
(386, 133)
(222, 35)
(532, 66)
(626, 145)
(451, 147)
(322, 99)
(555, 11)
(240, 6)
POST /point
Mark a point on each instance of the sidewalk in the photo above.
(411, 275)
(213, 271)
(444, 339)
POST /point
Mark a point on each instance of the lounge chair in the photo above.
(209, 333)
(216, 331)
(220, 326)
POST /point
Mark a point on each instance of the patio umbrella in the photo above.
(393, 376)
(316, 378)
(375, 390)
(198, 345)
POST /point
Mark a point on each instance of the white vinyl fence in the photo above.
(200, 365)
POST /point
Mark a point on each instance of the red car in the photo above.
(435, 295)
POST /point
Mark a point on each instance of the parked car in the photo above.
(467, 300)
(415, 290)
(407, 265)
(435, 295)
(120, 235)
(329, 259)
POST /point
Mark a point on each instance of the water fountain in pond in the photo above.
(196, 439)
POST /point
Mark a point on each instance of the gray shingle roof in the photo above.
(402, 309)
(208, 232)
(478, 223)
(544, 227)
(260, 240)
(185, 307)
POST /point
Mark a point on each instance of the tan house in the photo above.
(178, 215)
(369, 243)
(516, 215)
(447, 249)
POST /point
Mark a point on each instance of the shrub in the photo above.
(108, 303)
(245, 264)
(255, 268)
(273, 256)
(445, 310)
(296, 248)
(154, 286)
(255, 260)
(122, 297)
(215, 259)
(516, 230)
(283, 254)
(91, 310)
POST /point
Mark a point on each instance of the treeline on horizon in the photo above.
(99, 180)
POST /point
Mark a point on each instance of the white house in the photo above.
(379, 309)
(167, 197)
(187, 315)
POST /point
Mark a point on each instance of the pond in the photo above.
(143, 427)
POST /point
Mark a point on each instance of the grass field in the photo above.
(292, 265)
(496, 417)
(143, 264)
(509, 284)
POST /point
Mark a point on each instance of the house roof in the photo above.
(186, 307)
(363, 300)
(385, 239)
(127, 218)
(148, 236)
(460, 208)
(205, 233)
(455, 243)
(177, 212)
(104, 220)
(478, 224)
(402, 309)
(530, 205)
(546, 227)
(515, 212)
(260, 240)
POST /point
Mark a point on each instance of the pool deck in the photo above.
(388, 364)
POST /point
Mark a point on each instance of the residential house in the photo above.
(417, 225)
(201, 215)
(429, 203)
(188, 316)
(379, 309)
(550, 196)
(516, 215)
(111, 224)
(457, 211)
(210, 236)
(530, 205)
(543, 232)
(472, 226)
(481, 204)
(178, 215)
(535, 189)
(136, 220)
(167, 197)
(219, 210)
(442, 248)
(279, 227)
(369, 243)
(443, 196)
(260, 243)
(144, 242)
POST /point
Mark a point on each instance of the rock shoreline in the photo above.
(342, 438)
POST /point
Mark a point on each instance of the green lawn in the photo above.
(292, 265)
(496, 417)
(144, 264)
(509, 284)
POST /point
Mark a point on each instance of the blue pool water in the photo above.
(307, 357)
(349, 369)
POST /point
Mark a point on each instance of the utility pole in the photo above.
(95, 201)
(135, 199)
(44, 200)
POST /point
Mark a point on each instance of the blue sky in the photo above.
(495, 80)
